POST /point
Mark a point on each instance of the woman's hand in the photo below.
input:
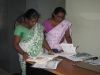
(25, 55)
(50, 52)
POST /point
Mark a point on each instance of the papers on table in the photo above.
(93, 62)
(48, 56)
(78, 56)
(52, 64)
(70, 53)
(42, 58)
(45, 61)
(71, 56)
(68, 48)
(38, 59)
(66, 54)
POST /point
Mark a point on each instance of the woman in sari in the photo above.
(29, 38)
(57, 30)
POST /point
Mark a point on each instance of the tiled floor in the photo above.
(3, 72)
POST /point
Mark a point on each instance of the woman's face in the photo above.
(59, 17)
(32, 21)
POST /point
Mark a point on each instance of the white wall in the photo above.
(85, 18)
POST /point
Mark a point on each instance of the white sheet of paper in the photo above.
(69, 48)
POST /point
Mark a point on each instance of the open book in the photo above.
(52, 64)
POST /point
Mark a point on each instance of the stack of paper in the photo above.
(48, 56)
(42, 58)
(45, 61)
(79, 56)
(52, 64)
(74, 58)
(38, 59)
(70, 53)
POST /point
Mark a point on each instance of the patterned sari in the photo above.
(55, 35)
(32, 44)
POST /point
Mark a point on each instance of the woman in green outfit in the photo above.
(29, 38)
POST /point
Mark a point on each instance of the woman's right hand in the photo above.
(25, 55)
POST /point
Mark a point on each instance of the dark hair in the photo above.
(58, 10)
(31, 13)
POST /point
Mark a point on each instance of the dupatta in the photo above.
(32, 43)
(54, 36)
